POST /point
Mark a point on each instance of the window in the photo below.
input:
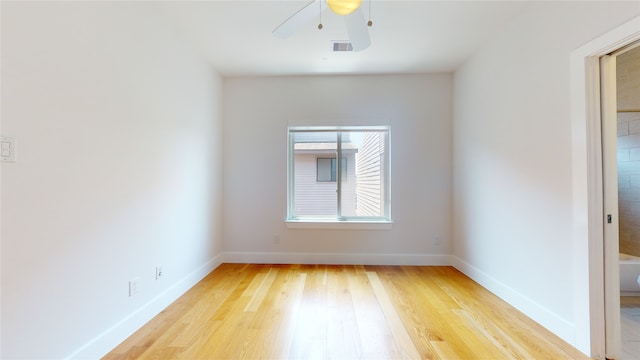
(355, 191)
(327, 170)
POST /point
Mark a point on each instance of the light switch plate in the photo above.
(8, 149)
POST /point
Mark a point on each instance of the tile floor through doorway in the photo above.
(630, 319)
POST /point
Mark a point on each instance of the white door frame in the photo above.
(588, 206)
(609, 124)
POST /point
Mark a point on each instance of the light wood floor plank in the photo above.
(342, 327)
(398, 331)
(243, 311)
(427, 311)
(502, 343)
(444, 351)
(376, 340)
(280, 329)
(310, 336)
(261, 291)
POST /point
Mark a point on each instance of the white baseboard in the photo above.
(116, 334)
(557, 325)
(336, 258)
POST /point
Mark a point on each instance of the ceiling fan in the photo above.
(350, 9)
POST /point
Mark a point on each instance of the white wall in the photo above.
(512, 224)
(118, 127)
(257, 112)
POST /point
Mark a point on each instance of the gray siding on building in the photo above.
(370, 180)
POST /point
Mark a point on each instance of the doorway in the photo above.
(620, 116)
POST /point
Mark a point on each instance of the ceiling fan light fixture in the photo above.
(343, 7)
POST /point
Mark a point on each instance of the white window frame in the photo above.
(339, 221)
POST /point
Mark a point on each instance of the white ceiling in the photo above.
(406, 37)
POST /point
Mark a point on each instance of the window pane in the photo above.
(356, 189)
(325, 171)
(364, 194)
(315, 189)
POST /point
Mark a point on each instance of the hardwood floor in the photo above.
(242, 311)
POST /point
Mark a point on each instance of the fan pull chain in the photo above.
(320, 12)
(369, 23)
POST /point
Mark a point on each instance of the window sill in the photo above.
(339, 225)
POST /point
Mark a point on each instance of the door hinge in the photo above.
(609, 219)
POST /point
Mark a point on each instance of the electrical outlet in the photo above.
(276, 239)
(159, 273)
(8, 149)
(437, 240)
(133, 286)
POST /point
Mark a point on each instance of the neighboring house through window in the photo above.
(319, 190)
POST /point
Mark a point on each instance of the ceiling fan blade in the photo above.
(358, 31)
(299, 19)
